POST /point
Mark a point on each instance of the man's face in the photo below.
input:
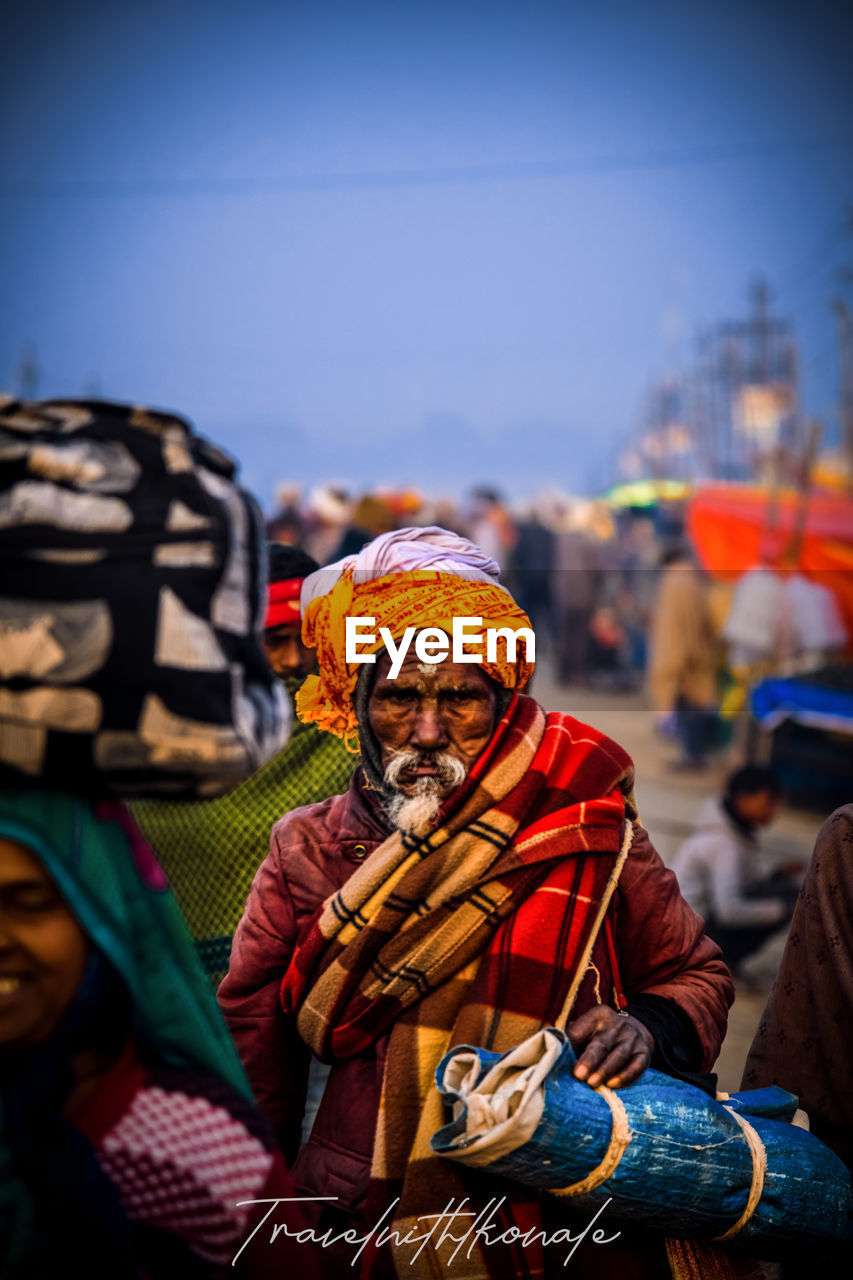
(444, 708)
(759, 808)
(43, 950)
(286, 653)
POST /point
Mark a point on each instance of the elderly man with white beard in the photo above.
(447, 898)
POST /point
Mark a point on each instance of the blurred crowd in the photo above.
(616, 595)
(585, 574)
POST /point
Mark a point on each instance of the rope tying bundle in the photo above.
(759, 1168)
(620, 1137)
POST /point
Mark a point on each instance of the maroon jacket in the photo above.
(661, 945)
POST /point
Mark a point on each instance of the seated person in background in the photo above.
(128, 1134)
(719, 872)
(211, 849)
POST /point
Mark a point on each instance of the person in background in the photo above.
(211, 849)
(638, 564)
(286, 524)
(719, 872)
(282, 636)
(804, 1040)
(327, 513)
(577, 582)
(490, 525)
(128, 1134)
(608, 648)
(682, 660)
(371, 516)
(531, 574)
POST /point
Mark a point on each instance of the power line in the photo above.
(804, 270)
(798, 285)
(520, 171)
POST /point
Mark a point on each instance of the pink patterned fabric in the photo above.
(148, 868)
(181, 1164)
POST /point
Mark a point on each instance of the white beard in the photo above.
(414, 813)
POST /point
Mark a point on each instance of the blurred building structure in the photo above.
(747, 408)
(734, 414)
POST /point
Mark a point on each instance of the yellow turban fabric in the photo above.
(420, 598)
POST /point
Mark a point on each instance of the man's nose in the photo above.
(292, 652)
(429, 732)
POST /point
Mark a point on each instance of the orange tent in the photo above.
(736, 527)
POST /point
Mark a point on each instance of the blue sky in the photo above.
(431, 242)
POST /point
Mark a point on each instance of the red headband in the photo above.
(283, 602)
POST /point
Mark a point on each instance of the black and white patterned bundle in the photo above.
(132, 587)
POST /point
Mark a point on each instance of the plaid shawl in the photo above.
(467, 935)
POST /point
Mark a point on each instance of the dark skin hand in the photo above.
(616, 1047)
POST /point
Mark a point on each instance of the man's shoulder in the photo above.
(344, 816)
(569, 723)
(321, 815)
(585, 738)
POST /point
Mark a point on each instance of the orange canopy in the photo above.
(733, 529)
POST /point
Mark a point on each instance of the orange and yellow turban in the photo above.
(418, 597)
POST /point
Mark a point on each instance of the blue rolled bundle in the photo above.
(675, 1160)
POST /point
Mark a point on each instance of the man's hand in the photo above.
(618, 1048)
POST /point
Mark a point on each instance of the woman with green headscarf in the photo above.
(128, 1134)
